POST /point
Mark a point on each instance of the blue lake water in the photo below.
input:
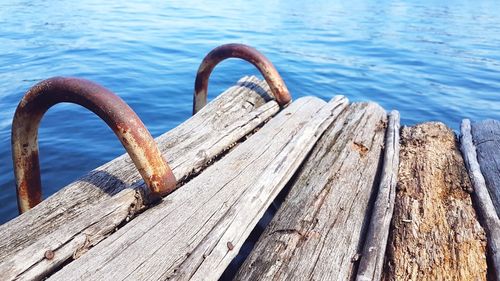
(431, 60)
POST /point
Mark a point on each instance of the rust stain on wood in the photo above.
(361, 148)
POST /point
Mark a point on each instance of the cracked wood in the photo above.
(196, 231)
(372, 257)
(481, 196)
(317, 232)
(435, 234)
(486, 137)
(88, 210)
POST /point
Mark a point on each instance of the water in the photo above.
(430, 60)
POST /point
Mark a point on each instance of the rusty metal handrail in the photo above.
(266, 68)
(127, 126)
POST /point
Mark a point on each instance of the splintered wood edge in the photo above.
(372, 258)
(481, 196)
(433, 183)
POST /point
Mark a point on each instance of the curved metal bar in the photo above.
(266, 68)
(127, 126)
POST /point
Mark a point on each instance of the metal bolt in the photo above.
(49, 254)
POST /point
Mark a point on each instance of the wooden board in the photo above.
(372, 257)
(482, 198)
(196, 231)
(435, 234)
(486, 137)
(317, 232)
(88, 210)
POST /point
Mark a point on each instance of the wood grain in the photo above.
(372, 257)
(88, 210)
(196, 231)
(486, 137)
(481, 196)
(317, 232)
(435, 234)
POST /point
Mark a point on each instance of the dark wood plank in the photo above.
(486, 137)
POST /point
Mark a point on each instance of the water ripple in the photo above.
(431, 60)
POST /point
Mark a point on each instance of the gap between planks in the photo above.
(318, 229)
(372, 258)
(196, 232)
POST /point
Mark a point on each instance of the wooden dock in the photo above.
(360, 199)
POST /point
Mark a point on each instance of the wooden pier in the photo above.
(362, 200)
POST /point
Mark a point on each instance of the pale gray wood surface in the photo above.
(484, 204)
(486, 137)
(372, 257)
(316, 233)
(196, 231)
(88, 210)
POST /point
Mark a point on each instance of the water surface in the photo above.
(428, 59)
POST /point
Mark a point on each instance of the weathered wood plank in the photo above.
(88, 210)
(484, 204)
(434, 234)
(372, 257)
(317, 232)
(196, 231)
(486, 137)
